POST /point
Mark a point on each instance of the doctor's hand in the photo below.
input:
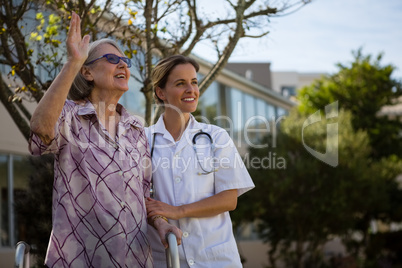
(164, 228)
(155, 207)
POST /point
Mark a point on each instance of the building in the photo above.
(284, 83)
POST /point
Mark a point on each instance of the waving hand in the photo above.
(77, 46)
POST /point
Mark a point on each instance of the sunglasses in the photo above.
(114, 59)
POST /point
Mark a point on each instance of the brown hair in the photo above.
(81, 88)
(162, 70)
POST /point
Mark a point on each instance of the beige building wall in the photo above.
(292, 79)
(11, 139)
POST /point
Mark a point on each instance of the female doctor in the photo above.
(197, 172)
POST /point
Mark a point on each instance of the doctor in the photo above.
(197, 172)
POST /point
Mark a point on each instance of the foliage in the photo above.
(308, 202)
(34, 208)
(303, 205)
(32, 35)
(363, 88)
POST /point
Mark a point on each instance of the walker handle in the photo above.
(172, 252)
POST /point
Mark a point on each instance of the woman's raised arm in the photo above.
(50, 106)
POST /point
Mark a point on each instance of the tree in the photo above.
(147, 29)
(310, 201)
(362, 88)
(306, 202)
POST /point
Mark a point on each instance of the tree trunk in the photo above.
(15, 114)
(148, 106)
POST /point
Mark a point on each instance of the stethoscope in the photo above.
(194, 141)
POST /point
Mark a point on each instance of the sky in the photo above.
(324, 33)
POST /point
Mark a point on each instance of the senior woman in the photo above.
(99, 215)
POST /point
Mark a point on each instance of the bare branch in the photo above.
(21, 10)
(298, 5)
(20, 121)
(223, 59)
(256, 36)
(192, 19)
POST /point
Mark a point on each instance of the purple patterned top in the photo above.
(99, 215)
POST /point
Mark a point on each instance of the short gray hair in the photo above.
(82, 88)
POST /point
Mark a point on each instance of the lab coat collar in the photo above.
(186, 139)
(160, 128)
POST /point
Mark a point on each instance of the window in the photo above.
(4, 228)
(235, 114)
(208, 105)
(249, 108)
(134, 100)
(288, 91)
(249, 74)
(280, 112)
(270, 112)
(250, 122)
(261, 123)
(14, 174)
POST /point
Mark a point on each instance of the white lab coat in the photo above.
(206, 242)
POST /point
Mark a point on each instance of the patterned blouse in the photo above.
(99, 215)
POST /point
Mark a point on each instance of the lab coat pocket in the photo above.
(226, 253)
(204, 185)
